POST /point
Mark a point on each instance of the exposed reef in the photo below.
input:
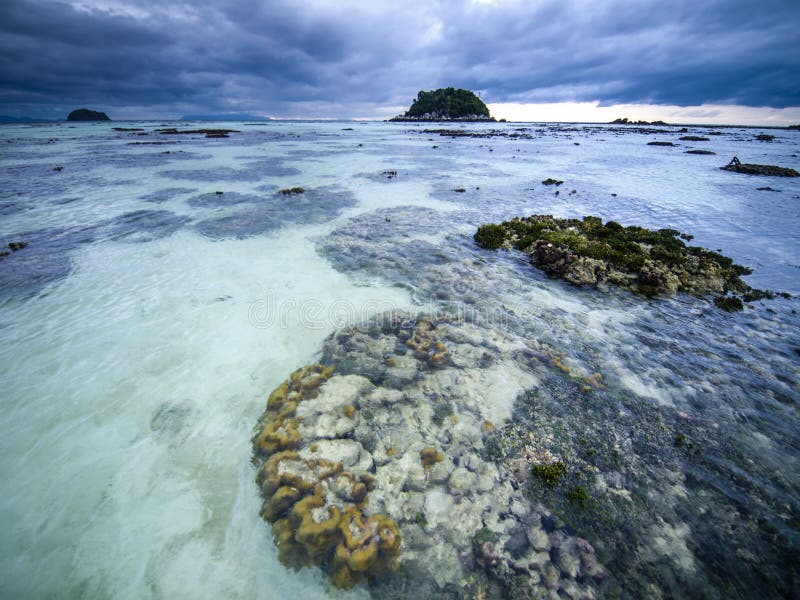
(589, 252)
(752, 169)
(84, 114)
(446, 104)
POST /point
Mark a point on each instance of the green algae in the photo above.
(482, 536)
(578, 495)
(729, 303)
(550, 474)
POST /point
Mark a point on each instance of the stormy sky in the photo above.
(347, 58)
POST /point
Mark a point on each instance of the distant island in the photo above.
(84, 114)
(446, 104)
(625, 121)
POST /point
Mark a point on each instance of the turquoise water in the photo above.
(149, 316)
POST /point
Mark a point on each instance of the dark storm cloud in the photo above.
(349, 59)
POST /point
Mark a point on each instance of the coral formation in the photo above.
(340, 486)
(315, 507)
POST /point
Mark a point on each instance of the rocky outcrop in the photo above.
(84, 114)
(588, 252)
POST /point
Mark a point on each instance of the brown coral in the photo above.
(426, 345)
(430, 456)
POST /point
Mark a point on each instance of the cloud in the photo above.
(347, 58)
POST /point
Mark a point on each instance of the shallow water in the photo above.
(149, 317)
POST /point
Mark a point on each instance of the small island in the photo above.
(84, 114)
(446, 104)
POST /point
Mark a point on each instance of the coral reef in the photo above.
(366, 475)
(589, 252)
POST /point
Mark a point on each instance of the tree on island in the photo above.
(84, 114)
(446, 104)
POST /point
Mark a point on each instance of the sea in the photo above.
(167, 285)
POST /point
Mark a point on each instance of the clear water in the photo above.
(149, 317)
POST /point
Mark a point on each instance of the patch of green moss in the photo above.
(483, 535)
(729, 303)
(490, 237)
(420, 520)
(753, 294)
(578, 495)
(550, 474)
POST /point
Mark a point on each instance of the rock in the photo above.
(660, 144)
(538, 539)
(15, 246)
(551, 181)
(693, 138)
(699, 152)
(752, 169)
(550, 577)
(84, 114)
